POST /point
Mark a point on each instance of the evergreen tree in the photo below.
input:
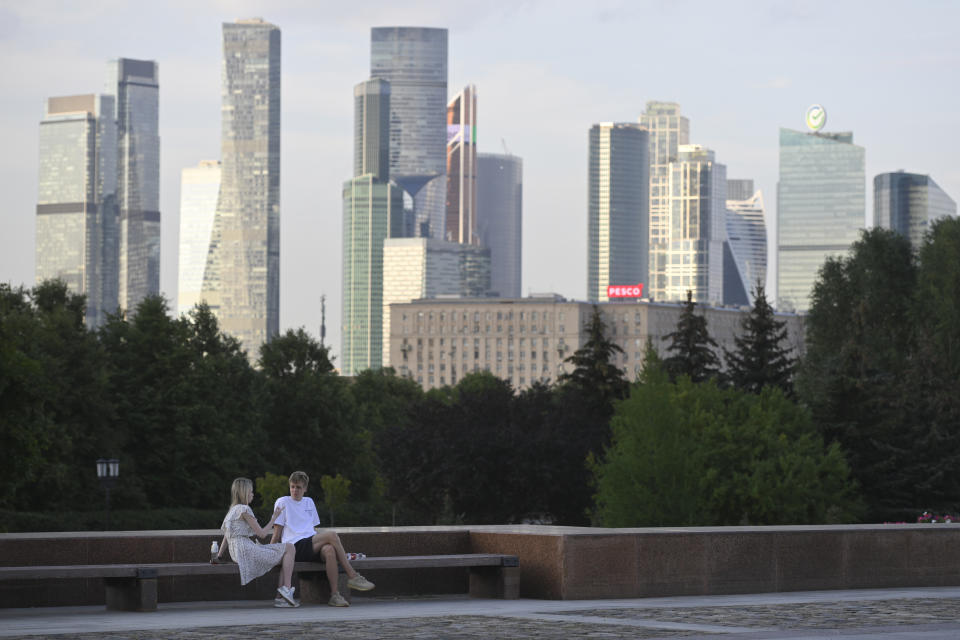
(760, 359)
(594, 363)
(692, 347)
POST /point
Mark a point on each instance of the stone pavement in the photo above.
(889, 614)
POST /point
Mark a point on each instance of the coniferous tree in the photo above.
(760, 359)
(692, 347)
(594, 363)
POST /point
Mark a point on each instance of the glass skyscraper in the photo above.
(908, 203)
(668, 130)
(242, 279)
(199, 189)
(747, 243)
(617, 220)
(77, 215)
(461, 221)
(500, 219)
(414, 61)
(820, 209)
(134, 85)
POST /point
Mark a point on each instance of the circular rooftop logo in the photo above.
(816, 117)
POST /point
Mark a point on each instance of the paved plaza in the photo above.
(889, 614)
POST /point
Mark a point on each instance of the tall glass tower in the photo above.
(242, 279)
(908, 203)
(668, 130)
(76, 201)
(134, 85)
(500, 219)
(414, 61)
(747, 243)
(199, 189)
(617, 221)
(820, 209)
(461, 222)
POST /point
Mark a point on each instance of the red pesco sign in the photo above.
(625, 291)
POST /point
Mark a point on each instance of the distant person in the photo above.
(255, 559)
(297, 523)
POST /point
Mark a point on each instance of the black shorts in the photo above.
(305, 553)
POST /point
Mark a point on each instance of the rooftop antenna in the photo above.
(323, 318)
(506, 151)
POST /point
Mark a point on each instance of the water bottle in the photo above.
(214, 550)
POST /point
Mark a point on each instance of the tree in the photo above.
(760, 359)
(594, 364)
(692, 347)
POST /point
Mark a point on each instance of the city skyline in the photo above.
(519, 59)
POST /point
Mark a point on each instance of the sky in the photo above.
(545, 72)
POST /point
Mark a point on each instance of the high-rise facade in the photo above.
(617, 221)
(242, 277)
(77, 215)
(199, 189)
(692, 247)
(668, 129)
(135, 87)
(500, 219)
(747, 245)
(908, 203)
(414, 61)
(461, 220)
(739, 189)
(820, 209)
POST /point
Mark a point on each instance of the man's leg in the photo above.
(332, 540)
(330, 560)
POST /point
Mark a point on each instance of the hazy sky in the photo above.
(545, 72)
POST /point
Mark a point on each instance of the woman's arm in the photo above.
(264, 531)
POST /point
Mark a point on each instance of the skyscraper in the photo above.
(134, 85)
(199, 188)
(908, 203)
(746, 244)
(76, 200)
(414, 61)
(820, 209)
(739, 189)
(242, 278)
(692, 246)
(461, 221)
(617, 225)
(372, 212)
(500, 219)
(668, 130)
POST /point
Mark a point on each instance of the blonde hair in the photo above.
(300, 477)
(239, 489)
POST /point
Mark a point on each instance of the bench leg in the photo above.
(131, 594)
(495, 582)
(315, 588)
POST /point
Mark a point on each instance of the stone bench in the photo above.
(133, 587)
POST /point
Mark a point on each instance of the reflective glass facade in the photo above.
(461, 222)
(500, 219)
(371, 129)
(76, 238)
(199, 189)
(668, 130)
(414, 61)
(617, 220)
(908, 203)
(820, 208)
(134, 84)
(242, 278)
(747, 239)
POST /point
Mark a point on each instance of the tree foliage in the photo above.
(760, 358)
(691, 347)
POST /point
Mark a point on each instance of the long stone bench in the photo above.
(133, 587)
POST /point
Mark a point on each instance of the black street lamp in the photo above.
(108, 470)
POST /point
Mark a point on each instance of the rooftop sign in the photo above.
(625, 291)
(816, 117)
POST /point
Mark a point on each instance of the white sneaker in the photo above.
(280, 603)
(287, 594)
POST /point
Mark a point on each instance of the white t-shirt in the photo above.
(298, 518)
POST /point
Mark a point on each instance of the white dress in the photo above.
(254, 559)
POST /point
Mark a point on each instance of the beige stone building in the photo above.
(437, 341)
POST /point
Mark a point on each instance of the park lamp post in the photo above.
(108, 470)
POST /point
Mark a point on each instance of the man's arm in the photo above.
(277, 533)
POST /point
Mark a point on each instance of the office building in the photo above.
(461, 220)
(739, 189)
(667, 131)
(242, 279)
(745, 251)
(820, 209)
(76, 232)
(414, 61)
(500, 219)
(134, 85)
(617, 221)
(415, 268)
(199, 189)
(438, 341)
(908, 203)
